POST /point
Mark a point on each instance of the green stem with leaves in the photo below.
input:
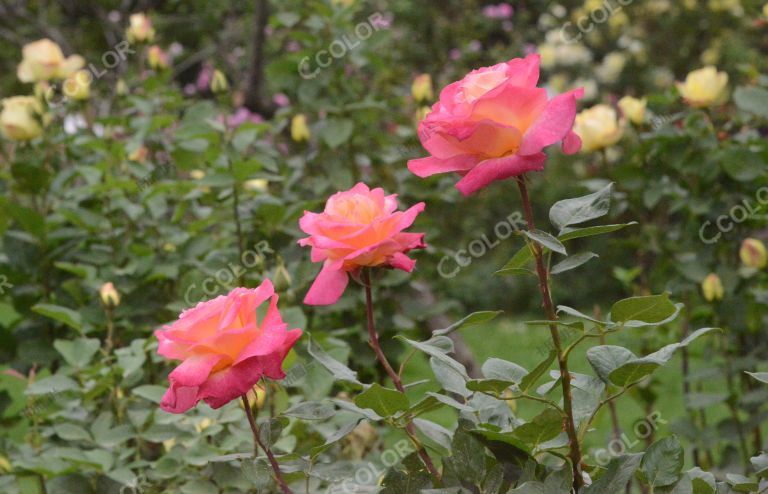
(394, 376)
(562, 360)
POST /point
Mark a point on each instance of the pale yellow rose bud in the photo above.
(43, 60)
(20, 119)
(121, 88)
(109, 295)
(598, 127)
(256, 397)
(158, 59)
(712, 288)
(704, 87)
(299, 129)
(5, 465)
(421, 89)
(140, 29)
(219, 82)
(753, 253)
(421, 114)
(78, 85)
(139, 154)
(765, 10)
(197, 174)
(633, 109)
(256, 185)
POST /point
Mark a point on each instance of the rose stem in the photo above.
(258, 443)
(549, 309)
(374, 342)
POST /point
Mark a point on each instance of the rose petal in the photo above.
(327, 287)
(499, 169)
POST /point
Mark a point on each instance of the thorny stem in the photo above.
(258, 443)
(374, 342)
(549, 309)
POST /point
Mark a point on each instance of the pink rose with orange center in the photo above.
(224, 349)
(358, 228)
(494, 124)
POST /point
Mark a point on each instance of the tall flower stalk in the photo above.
(562, 358)
(258, 443)
(374, 342)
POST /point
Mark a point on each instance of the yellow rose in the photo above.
(765, 10)
(197, 174)
(140, 29)
(421, 89)
(109, 295)
(20, 118)
(598, 127)
(753, 253)
(633, 109)
(704, 87)
(78, 85)
(299, 128)
(158, 59)
(712, 288)
(219, 82)
(548, 54)
(43, 60)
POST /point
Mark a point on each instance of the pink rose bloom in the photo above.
(358, 228)
(224, 350)
(494, 124)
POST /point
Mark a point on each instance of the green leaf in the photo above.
(79, 352)
(651, 309)
(150, 392)
(450, 377)
(741, 483)
(473, 319)
(662, 462)
(752, 100)
(336, 368)
(61, 314)
(742, 164)
(581, 209)
(531, 378)
(616, 476)
(545, 426)
(337, 131)
(546, 240)
(621, 367)
(515, 265)
(760, 376)
(52, 385)
(385, 402)
(702, 482)
(760, 464)
(572, 262)
(590, 231)
(495, 368)
(311, 410)
(71, 432)
(447, 400)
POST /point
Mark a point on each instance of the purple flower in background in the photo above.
(204, 78)
(281, 100)
(292, 46)
(455, 54)
(500, 11)
(241, 116)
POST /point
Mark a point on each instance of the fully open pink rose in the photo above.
(494, 124)
(223, 348)
(358, 228)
